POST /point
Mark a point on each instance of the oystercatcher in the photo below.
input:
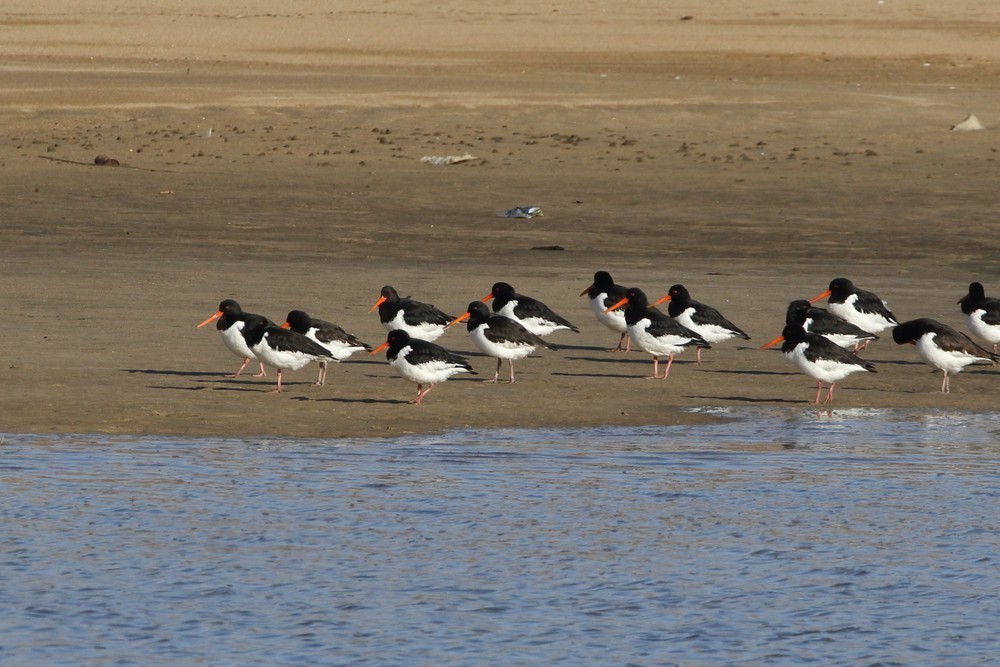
(823, 322)
(982, 314)
(420, 320)
(821, 359)
(699, 317)
(231, 320)
(500, 336)
(532, 314)
(601, 294)
(337, 341)
(421, 362)
(283, 349)
(942, 347)
(655, 332)
(859, 307)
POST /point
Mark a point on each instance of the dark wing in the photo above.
(527, 308)
(705, 314)
(869, 302)
(422, 351)
(824, 348)
(284, 340)
(418, 312)
(328, 332)
(502, 329)
(825, 322)
(664, 325)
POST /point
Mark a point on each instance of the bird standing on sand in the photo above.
(655, 332)
(231, 320)
(532, 314)
(421, 361)
(820, 359)
(420, 320)
(823, 322)
(602, 294)
(699, 317)
(337, 341)
(499, 336)
(942, 347)
(982, 314)
(281, 348)
(859, 307)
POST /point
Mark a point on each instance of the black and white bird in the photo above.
(699, 317)
(602, 294)
(655, 332)
(421, 361)
(500, 337)
(283, 349)
(823, 322)
(859, 307)
(942, 347)
(420, 320)
(533, 315)
(231, 320)
(821, 359)
(982, 314)
(337, 341)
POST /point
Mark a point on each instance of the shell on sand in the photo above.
(970, 123)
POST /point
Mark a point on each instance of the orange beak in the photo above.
(460, 318)
(211, 319)
(819, 296)
(617, 305)
(380, 348)
(286, 325)
(378, 303)
(486, 299)
(773, 342)
(586, 290)
(661, 300)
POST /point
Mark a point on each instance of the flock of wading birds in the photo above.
(822, 343)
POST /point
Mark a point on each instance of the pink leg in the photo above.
(262, 374)
(670, 361)
(819, 389)
(496, 376)
(510, 362)
(421, 394)
(242, 366)
(945, 385)
(321, 380)
(656, 367)
(829, 393)
(699, 356)
(278, 390)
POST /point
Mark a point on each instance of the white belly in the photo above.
(499, 350)
(949, 362)
(235, 342)
(615, 320)
(430, 372)
(424, 331)
(988, 332)
(655, 345)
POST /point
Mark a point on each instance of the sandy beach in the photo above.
(272, 153)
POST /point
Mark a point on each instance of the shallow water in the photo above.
(773, 537)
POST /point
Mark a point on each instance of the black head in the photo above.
(911, 331)
(797, 312)
(229, 307)
(602, 280)
(793, 335)
(389, 293)
(502, 289)
(679, 293)
(841, 287)
(298, 321)
(397, 339)
(478, 312)
(636, 297)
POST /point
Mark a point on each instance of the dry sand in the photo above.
(271, 153)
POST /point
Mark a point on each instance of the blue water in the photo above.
(784, 537)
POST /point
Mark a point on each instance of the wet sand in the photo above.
(274, 157)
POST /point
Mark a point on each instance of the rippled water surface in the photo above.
(772, 537)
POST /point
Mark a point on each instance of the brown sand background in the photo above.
(752, 151)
